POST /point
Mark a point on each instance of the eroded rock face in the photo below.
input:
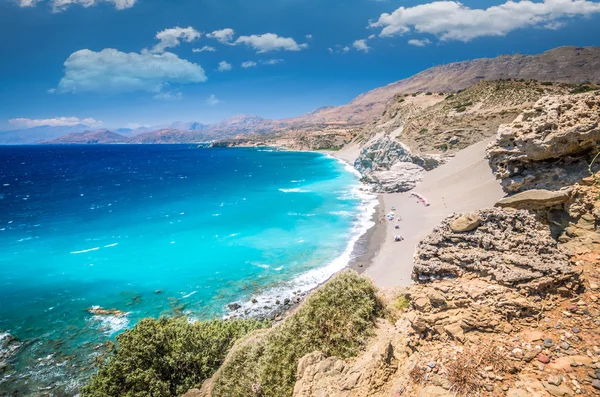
(548, 146)
(390, 166)
(511, 247)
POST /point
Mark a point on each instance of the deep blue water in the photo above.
(155, 230)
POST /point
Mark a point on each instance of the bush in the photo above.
(166, 357)
(337, 320)
(582, 89)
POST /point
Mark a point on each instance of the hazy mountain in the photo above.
(88, 137)
(36, 134)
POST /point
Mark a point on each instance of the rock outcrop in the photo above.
(511, 247)
(390, 166)
(8, 347)
(535, 199)
(548, 146)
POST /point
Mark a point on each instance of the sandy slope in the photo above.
(465, 183)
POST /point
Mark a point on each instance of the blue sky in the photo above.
(106, 60)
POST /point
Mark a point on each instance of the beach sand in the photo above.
(465, 183)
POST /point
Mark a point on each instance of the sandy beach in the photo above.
(465, 183)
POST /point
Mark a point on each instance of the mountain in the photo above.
(36, 134)
(334, 126)
(87, 137)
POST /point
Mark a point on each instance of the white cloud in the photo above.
(169, 96)
(338, 49)
(224, 35)
(212, 100)
(169, 38)
(419, 43)
(361, 45)
(371, 37)
(113, 71)
(270, 42)
(61, 5)
(346, 49)
(249, 64)
(451, 20)
(272, 61)
(309, 36)
(224, 66)
(205, 48)
(54, 122)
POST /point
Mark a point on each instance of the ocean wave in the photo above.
(294, 190)
(111, 245)
(342, 213)
(188, 295)
(110, 325)
(305, 282)
(87, 250)
(297, 181)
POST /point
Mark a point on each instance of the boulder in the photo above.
(548, 146)
(511, 247)
(535, 199)
(465, 223)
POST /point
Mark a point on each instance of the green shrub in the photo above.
(449, 97)
(581, 89)
(166, 357)
(401, 304)
(337, 320)
(428, 93)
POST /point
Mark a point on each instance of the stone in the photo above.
(100, 311)
(434, 391)
(234, 306)
(535, 199)
(555, 380)
(596, 384)
(544, 359)
(466, 223)
(565, 363)
(558, 391)
(517, 393)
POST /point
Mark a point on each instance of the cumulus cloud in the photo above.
(54, 122)
(249, 64)
(223, 36)
(270, 42)
(224, 66)
(361, 45)
(451, 20)
(272, 61)
(205, 48)
(419, 43)
(61, 5)
(212, 100)
(113, 71)
(309, 36)
(169, 38)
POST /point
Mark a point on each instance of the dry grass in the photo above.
(464, 373)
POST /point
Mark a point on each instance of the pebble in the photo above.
(431, 364)
(555, 380)
(575, 330)
(543, 358)
(548, 343)
(564, 346)
(596, 384)
(489, 388)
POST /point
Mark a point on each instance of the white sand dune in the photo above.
(464, 184)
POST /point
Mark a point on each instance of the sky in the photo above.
(129, 63)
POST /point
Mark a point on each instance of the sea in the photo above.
(156, 230)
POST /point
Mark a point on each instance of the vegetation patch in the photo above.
(166, 357)
(337, 320)
(583, 88)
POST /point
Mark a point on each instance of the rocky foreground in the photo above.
(505, 300)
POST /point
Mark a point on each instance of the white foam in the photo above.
(294, 190)
(111, 245)
(305, 282)
(112, 324)
(188, 295)
(87, 250)
(297, 181)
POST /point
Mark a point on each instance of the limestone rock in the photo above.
(434, 391)
(535, 199)
(511, 247)
(390, 166)
(465, 223)
(548, 146)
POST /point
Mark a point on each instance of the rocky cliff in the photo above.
(550, 145)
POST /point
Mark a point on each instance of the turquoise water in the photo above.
(151, 231)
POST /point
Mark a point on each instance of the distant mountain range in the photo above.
(574, 65)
